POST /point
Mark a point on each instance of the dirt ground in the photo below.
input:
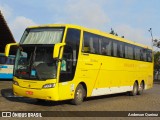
(148, 101)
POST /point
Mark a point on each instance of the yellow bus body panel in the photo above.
(109, 72)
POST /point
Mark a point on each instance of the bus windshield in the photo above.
(42, 36)
(35, 62)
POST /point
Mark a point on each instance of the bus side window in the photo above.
(70, 55)
(121, 50)
(67, 67)
(149, 56)
(109, 47)
(67, 60)
(103, 48)
(137, 53)
(104, 44)
(126, 51)
(63, 65)
(129, 51)
(115, 49)
(86, 47)
(90, 43)
(143, 54)
(96, 44)
(92, 49)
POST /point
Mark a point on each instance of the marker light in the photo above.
(15, 83)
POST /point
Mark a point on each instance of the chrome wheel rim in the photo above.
(79, 95)
(135, 89)
(141, 87)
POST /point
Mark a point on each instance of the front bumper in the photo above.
(46, 94)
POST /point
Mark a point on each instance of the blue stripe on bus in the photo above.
(6, 76)
(3, 66)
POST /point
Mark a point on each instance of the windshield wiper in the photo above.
(32, 63)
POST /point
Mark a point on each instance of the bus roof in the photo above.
(95, 31)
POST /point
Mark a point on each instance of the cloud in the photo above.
(18, 26)
(133, 34)
(97, 14)
(6, 11)
(89, 13)
(93, 14)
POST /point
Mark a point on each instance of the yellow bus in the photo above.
(69, 62)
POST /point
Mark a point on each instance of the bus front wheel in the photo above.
(135, 89)
(78, 95)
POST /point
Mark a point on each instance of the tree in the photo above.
(112, 32)
(157, 61)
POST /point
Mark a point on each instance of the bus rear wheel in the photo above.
(135, 89)
(141, 88)
(79, 95)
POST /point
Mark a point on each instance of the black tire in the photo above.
(78, 95)
(135, 89)
(141, 88)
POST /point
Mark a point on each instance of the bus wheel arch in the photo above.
(135, 89)
(141, 87)
(80, 94)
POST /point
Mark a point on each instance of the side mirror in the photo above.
(7, 48)
(57, 49)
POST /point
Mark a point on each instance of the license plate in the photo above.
(29, 92)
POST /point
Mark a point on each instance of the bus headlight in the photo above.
(15, 83)
(51, 85)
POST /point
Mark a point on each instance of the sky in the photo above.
(129, 18)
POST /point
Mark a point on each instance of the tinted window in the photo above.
(73, 40)
(137, 53)
(106, 46)
(109, 47)
(70, 55)
(7, 60)
(149, 56)
(143, 53)
(128, 51)
(90, 43)
(3, 59)
(121, 50)
(10, 61)
(115, 49)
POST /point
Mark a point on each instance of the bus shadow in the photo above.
(8, 94)
(156, 81)
(6, 79)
